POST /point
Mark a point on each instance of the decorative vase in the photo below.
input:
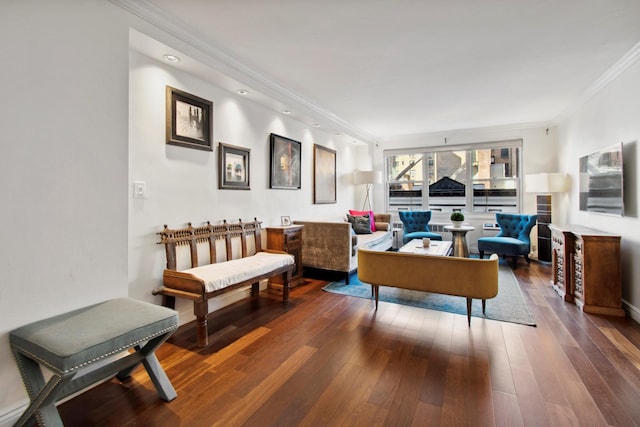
(457, 224)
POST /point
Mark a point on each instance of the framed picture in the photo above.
(324, 175)
(285, 220)
(285, 163)
(189, 121)
(233, 167)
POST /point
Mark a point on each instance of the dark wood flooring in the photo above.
(331, 360)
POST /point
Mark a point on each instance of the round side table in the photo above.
(459, 238)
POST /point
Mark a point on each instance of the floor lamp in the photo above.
(544, 184)
(367, 178)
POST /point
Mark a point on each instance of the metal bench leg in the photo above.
(154, 369)
(159, 378)
(42, 396)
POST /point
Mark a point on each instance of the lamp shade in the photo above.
(367, 177)
(546, 183)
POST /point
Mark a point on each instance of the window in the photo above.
(479, 178)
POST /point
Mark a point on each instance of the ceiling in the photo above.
(384, 69)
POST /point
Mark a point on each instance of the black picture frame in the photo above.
(324, 175)
(233, 167)
(285, 164)
(189, 120)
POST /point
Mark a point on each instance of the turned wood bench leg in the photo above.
(201, 309)
(286, 279)
(169, 301)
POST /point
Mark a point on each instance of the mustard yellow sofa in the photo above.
(330, 244)
(464, 277)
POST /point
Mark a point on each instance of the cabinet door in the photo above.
(562, 255)
(578, 271)
(293, 246)
(289, 240)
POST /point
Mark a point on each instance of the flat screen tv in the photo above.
(601, 184)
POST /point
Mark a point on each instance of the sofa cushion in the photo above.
(360, 224)
(373, 239)
(70, 341)
(362, 213)
(223, 274)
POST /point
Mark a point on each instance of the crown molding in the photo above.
(620, 66)
(153, 15)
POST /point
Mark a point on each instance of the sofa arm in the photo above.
(383, 226)
(382, 221)
(326, 245)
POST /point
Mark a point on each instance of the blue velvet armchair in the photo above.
(513, 239)
(416, 225)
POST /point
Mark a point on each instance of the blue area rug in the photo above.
(507, 306)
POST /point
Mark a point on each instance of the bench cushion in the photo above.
(76, 339)
(220, 275)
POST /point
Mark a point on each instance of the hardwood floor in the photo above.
(331, 360)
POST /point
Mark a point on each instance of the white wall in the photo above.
(610, 117)
(182, 183)
(63, 180)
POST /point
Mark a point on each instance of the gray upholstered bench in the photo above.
(67, 343)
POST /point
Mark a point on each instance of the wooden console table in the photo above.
(586, 268)
(287, 238)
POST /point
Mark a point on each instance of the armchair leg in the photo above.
(526, 257)
(514, 262)
(376, 291)
(481, 254)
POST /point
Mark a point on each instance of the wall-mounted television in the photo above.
(601, 184)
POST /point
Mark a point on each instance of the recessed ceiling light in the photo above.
(286, 112)
(171, 58)
(243, 91)
(316, 125)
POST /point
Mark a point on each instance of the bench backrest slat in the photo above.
(192, 236)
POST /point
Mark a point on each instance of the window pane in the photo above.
(495, 180)
(447, 191)
(404, 180)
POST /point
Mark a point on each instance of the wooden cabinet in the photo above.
(586, 268)
(287, 238)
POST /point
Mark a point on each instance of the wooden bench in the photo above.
(68, 343)
(220, 272)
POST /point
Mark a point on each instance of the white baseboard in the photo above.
(11, 414)
(634, 312)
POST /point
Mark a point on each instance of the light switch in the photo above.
(139, 190)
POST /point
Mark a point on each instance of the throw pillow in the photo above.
(360, 224)
(372, 222)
